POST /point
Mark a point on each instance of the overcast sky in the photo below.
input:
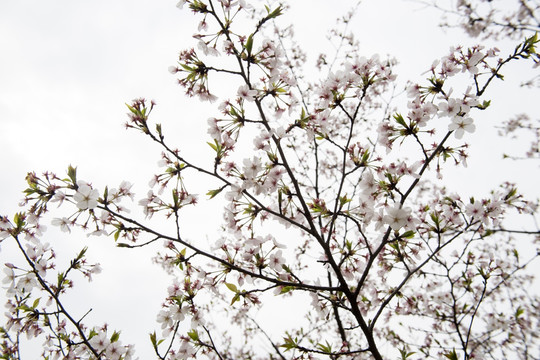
(67, 67)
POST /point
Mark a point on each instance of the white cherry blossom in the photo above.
(397, 217)
(461, 124)
(86, 197)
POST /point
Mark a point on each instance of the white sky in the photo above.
(68, 66)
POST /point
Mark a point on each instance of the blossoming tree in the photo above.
(331, 195)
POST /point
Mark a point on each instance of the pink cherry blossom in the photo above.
(247, 94)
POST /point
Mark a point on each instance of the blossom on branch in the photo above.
(86, 197)
(397, 217)
(245, 93)
(461, 124)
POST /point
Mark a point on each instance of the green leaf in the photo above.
(232, 287)
(394, 245)
(399, 119)
(72, 171)
(115, 336)
(529, 44)
(272, 157)
(408, 234)
(289, 343)
(176, 199)
(124, 245)
(343, 200)
(153, 339)
(488, 232)
(484, 105)
(24, 308)
(46, 321)
(18, 219)
(117, 235)
(132, 109)
(286, 268)
(327, 348)
(451, 355)
(235, 298)
(92, 334)
(82, 253)
(304, 118)
(286, 289)
(193, 334)
(365, 158)
(217, 148)
(213, 193)
(60, 278)
(405, 354)
(36, 303)
(213, 146)
(511, 194)
(435, 218)
(187, 68)
(249, 44)
(437, 85)
(277, 12)
(158, 129)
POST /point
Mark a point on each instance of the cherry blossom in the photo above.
(86, 197)
(449, 108)
(64, 224)
(397, 217)
(276, 260)
(247, 94)
(181, 4)
(4, 227)
(461, 124)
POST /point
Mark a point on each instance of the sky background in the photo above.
(67, 68)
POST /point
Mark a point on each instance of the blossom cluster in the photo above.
(491, 19)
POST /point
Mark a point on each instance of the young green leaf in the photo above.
(451, 355)
(193, 334)
(249, 44)
(213, 193)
